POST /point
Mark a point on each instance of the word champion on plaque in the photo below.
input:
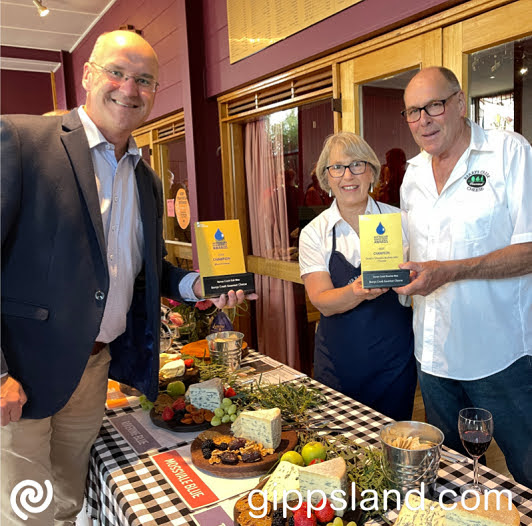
(221, 258)
(381, 251)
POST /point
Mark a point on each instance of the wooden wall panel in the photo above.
(361, 21)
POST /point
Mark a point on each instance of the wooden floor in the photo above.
(494, 457)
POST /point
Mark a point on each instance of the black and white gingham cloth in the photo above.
(124, 488)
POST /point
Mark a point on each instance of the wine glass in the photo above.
(475, 426)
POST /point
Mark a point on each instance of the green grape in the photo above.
(225, 419)
(147, 405)
(231, 410)
(330, 524)
(338, 522)
(219, 412)
(227, 401)
(233, 417)
(351, 523)
(216, 421)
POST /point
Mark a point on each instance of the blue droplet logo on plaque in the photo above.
(219, 235)
(380, 229)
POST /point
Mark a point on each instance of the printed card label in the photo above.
(191, 488)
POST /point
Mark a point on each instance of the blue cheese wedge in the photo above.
(206, 395)
(263, 426)
(326, 476)
(284, 478)
(432, 514)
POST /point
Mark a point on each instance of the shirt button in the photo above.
(111, 257)
(100, 295)
(116, 199)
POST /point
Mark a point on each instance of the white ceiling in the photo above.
(64, 27)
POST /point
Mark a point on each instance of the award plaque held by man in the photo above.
(221, 258)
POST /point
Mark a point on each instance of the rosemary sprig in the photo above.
(294, 400)
(364, 466)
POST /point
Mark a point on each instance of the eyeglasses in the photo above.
(119, 77)
(356, 168)
(433, 109)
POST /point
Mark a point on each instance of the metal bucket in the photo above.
(226, 348)
(406, 469)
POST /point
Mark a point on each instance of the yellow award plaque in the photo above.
(221, 258)
(381, 251)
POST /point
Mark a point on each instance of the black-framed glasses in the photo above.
(433, 109)
(119, 77)
(356, 168)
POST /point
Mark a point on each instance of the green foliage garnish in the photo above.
(294, 400)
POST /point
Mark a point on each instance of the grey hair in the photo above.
(353, 146)
(450, 77)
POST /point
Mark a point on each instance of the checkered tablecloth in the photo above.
(124, 488)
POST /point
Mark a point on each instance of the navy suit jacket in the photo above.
(54, 272)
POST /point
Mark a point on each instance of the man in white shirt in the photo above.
(468, 196)
(83, 270)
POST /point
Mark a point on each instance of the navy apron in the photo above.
(367, 353)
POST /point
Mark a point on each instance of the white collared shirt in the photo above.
(315, 241)
(119, 206)
(471, 329)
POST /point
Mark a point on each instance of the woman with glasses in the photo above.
(364, 342)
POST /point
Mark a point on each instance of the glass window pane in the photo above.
(387, 133)
(500, 87)
(175, 185)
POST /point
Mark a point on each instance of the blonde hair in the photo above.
(353, 146)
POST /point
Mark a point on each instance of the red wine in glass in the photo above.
(476, 442)
(475, 426)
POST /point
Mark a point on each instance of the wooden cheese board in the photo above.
(241, 505)
(242, 469)
(191, 376)
(175, 425)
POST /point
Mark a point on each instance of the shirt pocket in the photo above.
(473, 216)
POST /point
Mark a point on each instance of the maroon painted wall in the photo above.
(25, 92)
(356, 23)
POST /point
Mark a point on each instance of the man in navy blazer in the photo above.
(83, 271)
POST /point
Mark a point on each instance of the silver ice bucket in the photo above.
(406, 469)
(226, 348)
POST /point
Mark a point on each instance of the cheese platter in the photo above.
(283, 477)
(176, 425)
(242, 469)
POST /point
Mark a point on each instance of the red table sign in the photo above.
(194, 492)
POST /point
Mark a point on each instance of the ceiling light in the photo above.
(523, 70)
(492, 76)
(43, 11)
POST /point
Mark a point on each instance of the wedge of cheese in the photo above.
(434, 515)
(326, 476)
(284, 478)
(172, 368)
(206, 395)
(262, 426)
